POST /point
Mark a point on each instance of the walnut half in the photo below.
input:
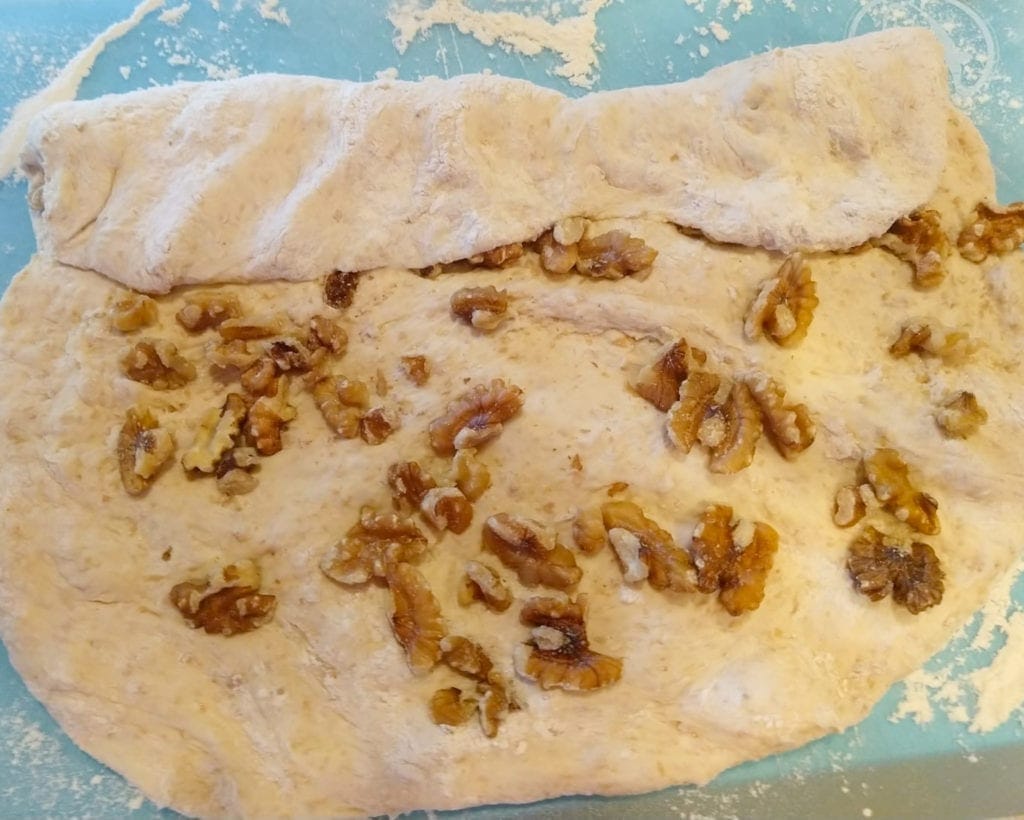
(475, 417)
(415, 618)
(143, 447)
(960, 415)
(645, 550)
(375, 542)
(228, 604)
(536, 556)
(880, 565)
(889, 477)
(784, 305)
(992, 230)
(482, 307)
(918, 240)
(659, 381)
(156, 362)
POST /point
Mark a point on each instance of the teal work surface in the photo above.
(883, 767)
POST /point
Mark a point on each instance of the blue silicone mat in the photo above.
(882, 767)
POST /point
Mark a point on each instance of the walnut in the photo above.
(327, 334)
(536, 556)
(784, 306)
(267, 419)
(659, 381)
(376, 541)
(466, 657)
(889, 477)
(494, 705)
(687, 415)
(588, 532)
(216, 435)
(645, 550)
(233, 471)
(156, 362)
(475, 417)
(254, 327)
(918, 239)
(960, 415)
(557, 257)
(469, 474)
(952, 346)
(205, 310)
(849, 506)
(377, 424)
(133, 311)
(481, 583)
(742, 417)
(233, 354)
(880, 565)
(416, 617)
(416, 369)
(340, 402)
(570, 230)
(235, 605)
(447, 508)
(409, 483)
(789, 426)
(483, 308)
(340, 288)
(288, 354)
(498, 257)
(143, 447)
(261, 378)
(559, 654)
(452, 707)
(992, 230)
(712, 546)
(613, 255)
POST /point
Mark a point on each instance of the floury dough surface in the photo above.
(288, 177)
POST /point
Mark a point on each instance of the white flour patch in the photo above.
(173, 16)
(273, 10)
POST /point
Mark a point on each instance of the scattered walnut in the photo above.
(447, 508)
(494, 706)
(613, 255)
(536, 556)
(588, 532)
(267, 419)
(340, 402)
(261, 378)
(328, 334)
(475, 417)
(952, 346)
(205, 310)
(789, 426)
(470, 475)
(880, 565)
(919, 240)
(377, 424)
(889, 477)
(688, 414)
(992, 230)
(371, 545)
(667, 566)
(711, 548)
(156, 362)
(143, 447)
(960, 416)
(784, 306)
(340, 288)
(466, 657)
(409, 483)
(743, 428)
(484, 308)
(659, 381)
(253, 327)
(234, 607)
(133, 311)
(236, 354)
(416, 617)
(233, 476)
(452, 707)
(565, 661)
(288, 354)
(849, 506)
(217, 431)
(481, 583)
(416, 369)
(570, 230)
(498, 257)
(557, 257)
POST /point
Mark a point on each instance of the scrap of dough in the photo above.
(273, 177)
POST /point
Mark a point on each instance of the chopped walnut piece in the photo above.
(328, 334)
(249, 328)
(133, 311)
(536, 556)
(416, 617)
(494, 706)
(233, 471)
(789, 426)
(556, 257)
(235, 354)
(416, 369)
(156, 362)
(481, 583)
(466, 657)
(849, 506)
(668, 566)
(918, 239)
(712, 545)
(992, 230)
(484, 307)
(233, 607)
(952, 346)
(205, 310)
(498, 257)
(784, 306)
(143, 447)
(447, 508)
(659, 381)
(340, 288)
(216, 435)
(475, 417)
(409, 483)
(889, 477)
(470, 474)
(570, 230)
(880, 565)
(588, 532)
(340, 402)
(289, 354)
(377, 424)
(960, 416)
(687, 415)
(376, 541)
(613, 255)
(452, 706)
(567, 662)
(742, 417)
(267, 419)
(261, 378)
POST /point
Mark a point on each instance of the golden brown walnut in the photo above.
(288, 354)
(557, 257)
(267, 419)
(340, 402)
(233, 471)
(687, 415)
(536, 556)
(849, 506)
(588, 532)
(415, 618)
(784, 306)
(143, 447)
(409, 483)
(416, 369)
(481, 583)
(328, 334)
(645, 550)
(133, 311)
(446, 508)
(889, 477)
(712, 546)
(992, 230)
(260, 378)
(470, 474)
(466, 657)
(659, 381)
(880, 566)
(961, 415)
(918, 240)
(205, 310)
(234, 604)
(377, 424)
(482, 307)
(789, 426)
(498, 257)
(613, 255)
(216, 435)
(375, 542)
(452, 707)
(494, 706)
(742, 430)
(475, 417)
(235, 354)
(952, 346)
(251, 327)
(340, 288)
(558, 655)
(156, 362)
